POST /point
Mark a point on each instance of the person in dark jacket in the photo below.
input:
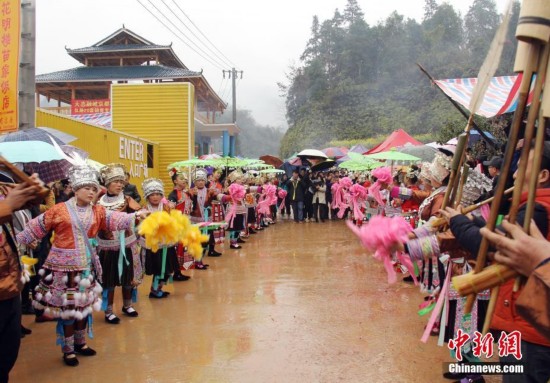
(534, 346)
(10, 281)
(296, 191)
(130, 190)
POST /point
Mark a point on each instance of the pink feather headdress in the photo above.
(383, 175)
(358, 194)
(379, 235)
(237, 193)
(340, 195)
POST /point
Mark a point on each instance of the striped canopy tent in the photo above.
(501, 96)
(101, 119)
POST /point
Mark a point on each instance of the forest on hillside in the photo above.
(357, 81)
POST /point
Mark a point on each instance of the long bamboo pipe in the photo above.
(523, 92)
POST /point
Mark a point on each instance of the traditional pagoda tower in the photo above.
(125, 57)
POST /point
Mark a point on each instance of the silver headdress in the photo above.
(235, 175)
(152, 185)
(440, 167)
(81, 176)
(112, 172)
(476, 184)
(200, 174)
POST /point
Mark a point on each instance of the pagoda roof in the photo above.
(117, 73)
(133, 48)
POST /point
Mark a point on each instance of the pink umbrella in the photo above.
(212, 156)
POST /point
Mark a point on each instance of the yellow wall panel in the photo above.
(106, 145)
(163, 113)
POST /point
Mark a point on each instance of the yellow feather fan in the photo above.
(161, 228)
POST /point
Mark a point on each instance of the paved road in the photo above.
(299, 303)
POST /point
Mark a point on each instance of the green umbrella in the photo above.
(233, 162)
(276, 171)
(259, 167)
(393, 155)
(360, 165)
(192, 162)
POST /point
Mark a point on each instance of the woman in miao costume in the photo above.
(217, 209)
(180, 200)
(203, 198)
(69, 287)
(118, 250)
(437, 174)
(161, 263)
(251, 203)
(236, 208)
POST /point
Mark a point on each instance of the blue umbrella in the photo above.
(29, 151)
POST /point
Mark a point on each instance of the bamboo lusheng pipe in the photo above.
(523, 94)
(491, 276)
(456, 164)
(510, 149)
(440, 221)
(41, 191)
(456, 197)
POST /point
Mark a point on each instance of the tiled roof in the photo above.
(117, 47)
(114, 73)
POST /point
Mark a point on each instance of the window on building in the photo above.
(150, 156)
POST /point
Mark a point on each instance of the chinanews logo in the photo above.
(468, 352)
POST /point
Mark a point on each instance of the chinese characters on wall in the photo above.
(90, 106)
(9, 58)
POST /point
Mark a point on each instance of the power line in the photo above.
(175, 34)
(221, 60)
(211, 60)
(198, 29)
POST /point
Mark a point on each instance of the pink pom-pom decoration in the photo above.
(379, 235)
(383, 175)
(237, 193)
(358, 194)
(282, 195)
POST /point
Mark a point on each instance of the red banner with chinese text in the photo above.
(9, 58)
(91, 106)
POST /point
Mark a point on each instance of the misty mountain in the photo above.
(357, 81)
(255, 139)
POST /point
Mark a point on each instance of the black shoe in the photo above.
(72, 362)
(130, 311)
(180, 277)
(409, 279)
(252, 231)
(157, 294)
(236, 247)
(27, 310)
(239, 240)
(26, 331)
(112, 319)
(453, 376)
(214, 253)
(84, 350)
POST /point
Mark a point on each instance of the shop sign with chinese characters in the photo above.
(91, 106)
(9, 39)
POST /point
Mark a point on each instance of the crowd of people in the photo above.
(84, 243)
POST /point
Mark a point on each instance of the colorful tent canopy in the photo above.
(101, 119)
(501, 96)
(397, 138)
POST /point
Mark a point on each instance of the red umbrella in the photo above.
(272, 160)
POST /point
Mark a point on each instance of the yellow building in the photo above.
(140, 156)
(163, 113)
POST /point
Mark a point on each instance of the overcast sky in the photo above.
(262, 38)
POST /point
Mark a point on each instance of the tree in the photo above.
(481, 23)
(353, 13)
(430, 7)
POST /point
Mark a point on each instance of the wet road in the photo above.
(299, 303)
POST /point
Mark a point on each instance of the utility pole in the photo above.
(230, 141)
(233, 73)
(27, 87)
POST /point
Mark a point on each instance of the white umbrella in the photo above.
(311, 153)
